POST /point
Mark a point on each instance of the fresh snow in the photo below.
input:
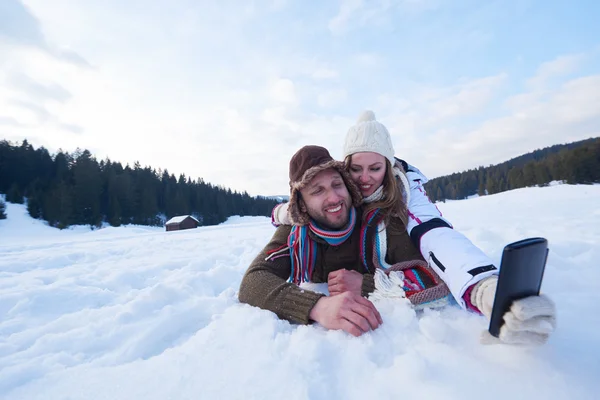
(140, 313)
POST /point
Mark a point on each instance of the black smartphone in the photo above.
(521, 272)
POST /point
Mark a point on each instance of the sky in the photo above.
(139, 313)
(228, 90)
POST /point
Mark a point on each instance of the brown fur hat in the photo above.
(304, 166)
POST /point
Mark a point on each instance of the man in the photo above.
(323, 247)
(329, 242)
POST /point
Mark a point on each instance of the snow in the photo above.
(179, 218)
(139, 313)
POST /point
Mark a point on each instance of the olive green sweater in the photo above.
(266, 285)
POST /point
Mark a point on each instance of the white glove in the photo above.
(529, 321)
(280, 214)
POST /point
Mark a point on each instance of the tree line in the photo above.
(75, 189)
(577, 162)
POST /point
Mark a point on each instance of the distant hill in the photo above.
(577, 162)
(279, 199)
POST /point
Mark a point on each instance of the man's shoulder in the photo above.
(281, 233)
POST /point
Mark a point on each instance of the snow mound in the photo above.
(136, 313)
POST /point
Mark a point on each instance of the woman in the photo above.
(395, 200)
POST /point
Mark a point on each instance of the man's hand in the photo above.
(348, 311)
(342, 281)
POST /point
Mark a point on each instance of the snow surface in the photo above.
(140, 313)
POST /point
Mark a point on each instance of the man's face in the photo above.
(327, 201)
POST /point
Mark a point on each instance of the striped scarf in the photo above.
(303, 251)
(419, 283)
(375, 251)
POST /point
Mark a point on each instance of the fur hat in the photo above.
(304, 166)
(369, 135)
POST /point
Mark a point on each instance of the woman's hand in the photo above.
(343, 280)
(529, 321)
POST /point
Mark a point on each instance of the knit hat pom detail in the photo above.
(366, 116)
(369, 135)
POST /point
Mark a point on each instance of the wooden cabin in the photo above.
(182, 222)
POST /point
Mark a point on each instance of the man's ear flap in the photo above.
(301, 204)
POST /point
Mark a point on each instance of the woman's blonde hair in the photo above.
(392, 203)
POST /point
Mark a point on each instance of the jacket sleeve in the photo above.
(265, 283)
(451, 254)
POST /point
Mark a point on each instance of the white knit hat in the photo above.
(369, 135)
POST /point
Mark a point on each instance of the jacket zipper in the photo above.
(437, 262)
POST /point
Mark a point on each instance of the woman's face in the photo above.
(367, 170)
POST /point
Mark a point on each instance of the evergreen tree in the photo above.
(58, 206)
(7, 166)
(114, 215)
(492, 184)
(35, 198)
(86, 190)
(515, 178)
(34, 205)
(529, 178)
(14, 195)
(2, 209)
(542, 174)
(577, 162)
(481, 189)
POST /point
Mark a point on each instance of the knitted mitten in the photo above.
(280, 214)
(529, 321)
(483, 295)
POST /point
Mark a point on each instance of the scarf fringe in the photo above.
(415, 281)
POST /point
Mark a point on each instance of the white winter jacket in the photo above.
(454, 257)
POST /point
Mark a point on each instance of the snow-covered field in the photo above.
(139, 313)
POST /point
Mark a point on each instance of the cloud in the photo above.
(78, 130)
(568, 114)
(40, 91)
(325, 73)
(72, 57)
(368, 60)
(348, 10)
(278, 117)
(354, 14)
(41, 117)
(427, 113)
(331, 98)
(40, 113)
(560, 66)
(467, 98)
(283, 91)
(18, 24)
(9, 121)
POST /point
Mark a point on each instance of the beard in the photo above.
(328, 221)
